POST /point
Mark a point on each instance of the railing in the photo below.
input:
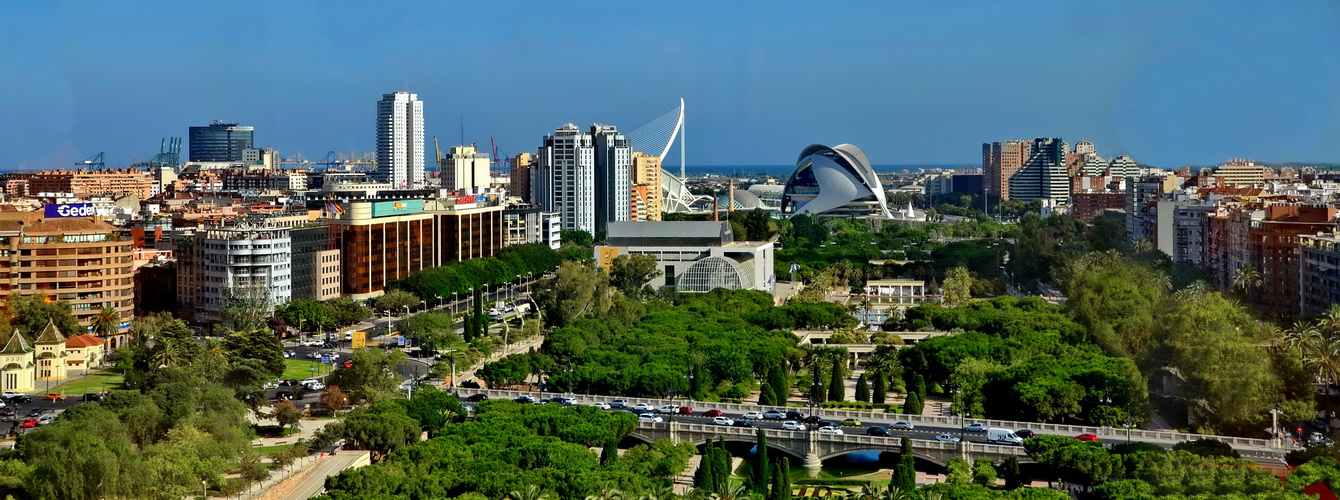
(932, 420)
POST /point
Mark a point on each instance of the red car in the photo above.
(32, 422)
(685, 410)
(713, 413)
(1088, 437)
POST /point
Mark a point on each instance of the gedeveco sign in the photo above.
(70, 210)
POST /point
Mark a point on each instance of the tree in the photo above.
(630, 273)
(880, 390)
(609, 457)
(862, 389)
(777, 380)
(246, 307)
(287, 415)
(1009, 470)
(781, 486)
(914, 404)
(381, 428)
(957, 287)
(345, 311)
(984, 472)
(31, 313)
(836, 387)
(397, 300)
(371, 373)
(1207, 447)
(1245, 277)
(107, 322)
(433, 408)
(576, 237)
(334, 398)
(307, 313)
(761, 465)
(958, 471)
(433, 329)
(766, 395)
(905, 473)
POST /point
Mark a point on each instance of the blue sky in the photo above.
(1170, 83)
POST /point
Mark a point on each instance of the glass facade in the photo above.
(219, 142)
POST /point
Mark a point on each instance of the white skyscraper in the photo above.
(563, 180)
(400, 140)
(614, 172)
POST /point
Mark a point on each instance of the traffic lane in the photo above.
(920, 432)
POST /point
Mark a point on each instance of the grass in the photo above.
(266, 450)
(104, 380)
(302, 368)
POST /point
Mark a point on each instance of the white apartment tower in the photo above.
(563, 180)
(400, 140)
(465, 169)
(614, 176)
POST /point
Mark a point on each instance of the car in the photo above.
(851, 422)
(753, 415)
(37, 412)
(685, 410)
(722, 421)
(792, 425)
(478, 397)
(877, 431)
(566, 401)
(314, 386)
(618, 403)
(996, 435)
(713, 413)
(290, 353)
(649, 418)
(306, 381)
(1088, 436)
(903, 425)
(742, 423)
(1024, 433)
(468, 408)
(91, 396)
(349, 336)
(525, 400)
(812, 420)
(55, 396)
(8, 395)
(830, 430)
(310, 343)
(270, 385)
(947, 438)
(9, 414)
(668, 409)
(288, 382)
(598, 404)
(19, 398)
(975, 427)
(644, 406)
(774, 415)
(29, 423)
(794, 415)
(313, 355)
(46, 419)
(284, 395)
(829, 423)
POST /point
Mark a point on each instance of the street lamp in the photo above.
(453, 304)
(439, 301)
(407, 311)
(424, 303)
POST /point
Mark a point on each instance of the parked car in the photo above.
(270, 385)
(598, 404)
(313, 355)
(668, 409)
(975, 427)
(722, 421)
(643, 406)
(877, 431)
(794, 415)
(742, 423)
(55, 396)
(753, 415)
(830, 430)
(46, 419)
(774, 415)
(851, 422)
(712, 413)
(812, 420)
(650, 418)
(1090, 437)
(685, 410)
(315, 386)
(8, 395)
(618, 403)
(9, 414)
(1024, 433)
(1005, 436)
(288, 382)
(525, 400)
(903, 425)
(92, 396)
(566, 401)
(284, 395)
(29, 423)
(947, 438)
(792, 425)
(16, 397)
(37, 412)
(475, 398)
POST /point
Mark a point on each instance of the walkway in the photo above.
(314, 483)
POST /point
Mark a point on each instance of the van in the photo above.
(1002, 436)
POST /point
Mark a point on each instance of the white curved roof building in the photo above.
(834, 182)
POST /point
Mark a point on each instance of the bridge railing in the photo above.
(892, 442)
(930, 420)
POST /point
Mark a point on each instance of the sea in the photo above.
(785, 170)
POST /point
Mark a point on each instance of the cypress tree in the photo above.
(761, 465)
(880, 391)
(905, 474)
(721, 466)
(610, 455)
(480, 322)
(766, 395)
(703, 479)
(918, 385)
(775, 492)
(1009, 470)
(862, 389)
(783, 483)
(777, 379)
(914, 404)
(836, 391)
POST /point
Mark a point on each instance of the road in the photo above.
(315, 482)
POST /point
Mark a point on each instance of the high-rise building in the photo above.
(1240, 172)
(647, 172)
(400, 140)
(1044, 175)
(1123, 166)
(1083, 147)
(564, 179)
(219, 141)
(1319, 283)
(465, 169)
(520, 168)
(1000, 160)
(224, 261)
(614, 172)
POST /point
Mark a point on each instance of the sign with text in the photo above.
(63, 210)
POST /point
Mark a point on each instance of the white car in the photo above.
(722, 421)
(603, 406)
(792, 425)
(314, 386)
(975, 427)
(643, 406)
(947, 438)
(903, 425)
(270, 385)
(311, 343)
(753, 415)
(830, 430)
(668, 409)
(649, 418)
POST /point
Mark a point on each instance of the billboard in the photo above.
(62, 210)
(393, 208)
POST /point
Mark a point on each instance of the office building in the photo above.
(85, 183)
(1123, 166)
(1241, 173)
(1045, 175)
(647, 172)
(614, 175)
(1000, 160)
(400, 140)
(520, 169)
(692, 256)
(1319, 273)
(224, 261)
(316, 263)
(529, 224)
(565, 178)
(465, 170)
(834, 182)
(219, 142)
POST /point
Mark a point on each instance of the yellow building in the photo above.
(85, 352)
(647, 172)
(16, 365)
(51, 354)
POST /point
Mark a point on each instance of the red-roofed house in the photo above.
(84, 352)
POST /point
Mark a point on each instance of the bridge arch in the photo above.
(797, 457)
(936, 459)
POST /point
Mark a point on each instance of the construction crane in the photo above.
(494, 145)
(95, 162)
(169, 154)
(439, 150)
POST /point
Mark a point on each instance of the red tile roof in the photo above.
(83, 341)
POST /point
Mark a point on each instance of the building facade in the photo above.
(465, 169)
(614, 175)
(565, 177)
(241, 261)
(1045, 175)
(316, 263)
(693, 257)
(1000, 160)
(1241, 173)
(647, 172)
(467, 230)
(520, 170)
(1319, 273)
(834, 182)
(219, 142)
(84, 183)
(400, 140)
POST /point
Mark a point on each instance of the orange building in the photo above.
(1274, 245)
(1000, 161)
(111, 182)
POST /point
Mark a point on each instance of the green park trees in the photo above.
(398, 301)
(508, 264)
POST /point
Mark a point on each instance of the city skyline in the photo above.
(1167, 84)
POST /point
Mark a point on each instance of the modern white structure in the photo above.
(1045, 175)
(693, 256)
(244, 259)
(400, 140)
(564, 178)
(614, 173)
(466, 170)
(834, 182)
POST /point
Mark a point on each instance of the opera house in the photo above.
(834, 182)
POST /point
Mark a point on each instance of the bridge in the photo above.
(811, 448)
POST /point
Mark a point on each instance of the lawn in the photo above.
(105, 380)
(302, 368)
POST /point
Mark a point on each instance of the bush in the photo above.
(848, 405)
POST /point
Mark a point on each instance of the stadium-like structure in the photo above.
(834, 182)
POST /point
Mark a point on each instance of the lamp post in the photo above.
(453, 304)
(424, 303)
(439, 301)
(406, 311)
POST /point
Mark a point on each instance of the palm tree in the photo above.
(609, 492)
(661, 493)
(531, 492)
(896, 493)
(734, 491)
(165, 353)
(1330, 320)
(1246, 276)
(1193, 291)
(106, 322)
(1143, 245)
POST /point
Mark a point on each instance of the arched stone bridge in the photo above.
(812, 448)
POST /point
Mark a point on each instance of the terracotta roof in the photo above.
(83, 341)
(50, 334)
(16, 344)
